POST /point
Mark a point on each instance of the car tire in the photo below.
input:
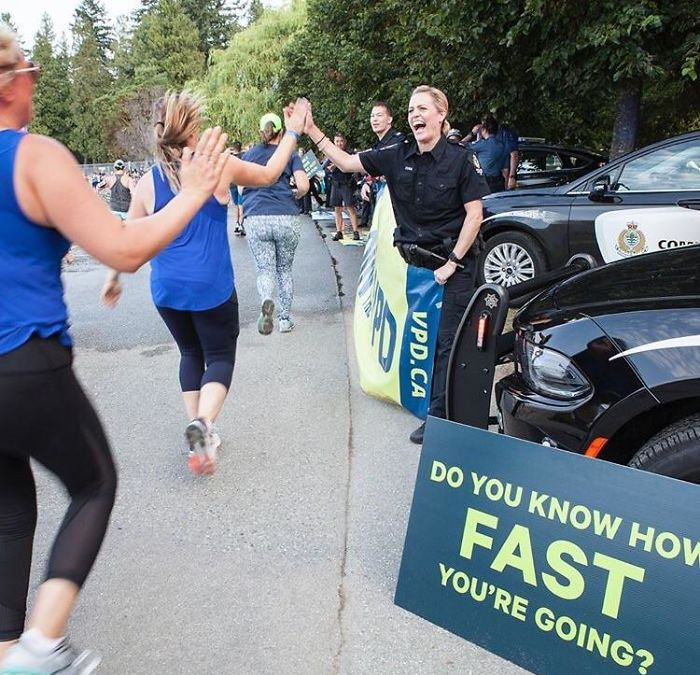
(674, 451)
(509, 258)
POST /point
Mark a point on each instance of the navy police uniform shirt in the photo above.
(428, 190)
(391, 137)
(491, 153)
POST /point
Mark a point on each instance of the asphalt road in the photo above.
(285, 562)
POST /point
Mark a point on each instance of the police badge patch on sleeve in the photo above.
(477, 165)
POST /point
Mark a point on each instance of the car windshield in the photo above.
(675, 167)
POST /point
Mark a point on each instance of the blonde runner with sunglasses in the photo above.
(38, 388)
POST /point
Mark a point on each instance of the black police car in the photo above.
(543, 165)
(645, 201)
(607, 363)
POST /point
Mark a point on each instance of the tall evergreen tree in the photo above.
(91, 81)
(52, 95)
(216, 21)
(91, 16)
(166, 47)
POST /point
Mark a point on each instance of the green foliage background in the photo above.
(609, 74)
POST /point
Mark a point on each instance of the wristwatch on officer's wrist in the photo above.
(452, 257)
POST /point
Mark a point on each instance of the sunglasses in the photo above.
(33, 69)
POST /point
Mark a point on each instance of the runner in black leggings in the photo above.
(44, 413)
(37, 384)
(193, 283)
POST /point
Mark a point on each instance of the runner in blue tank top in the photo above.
(44, 413)
(192, 280)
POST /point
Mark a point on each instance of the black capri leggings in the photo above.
(45, 415)
(207, 343)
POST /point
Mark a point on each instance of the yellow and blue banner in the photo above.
(397, 312)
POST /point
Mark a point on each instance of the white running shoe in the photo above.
(201, 458)
(21, 660)
(286, 325)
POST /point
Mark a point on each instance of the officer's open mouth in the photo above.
(418, 125)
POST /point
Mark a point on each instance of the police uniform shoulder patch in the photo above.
(475, 162)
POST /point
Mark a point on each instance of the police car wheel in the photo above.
(674, 451)
(510, 258)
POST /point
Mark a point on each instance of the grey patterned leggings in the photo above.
(273, 241)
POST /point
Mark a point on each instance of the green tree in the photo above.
(165, 47)
(562, 70)
(243, 81)
(622, 48)
(91, 16)
(52, 96)
(216, 21)
(255, 11)
(91, 81)
(6, 18)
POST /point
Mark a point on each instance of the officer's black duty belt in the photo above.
(422, 257)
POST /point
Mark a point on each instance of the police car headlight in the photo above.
(550, 373)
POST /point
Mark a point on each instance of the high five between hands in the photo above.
(201, 169)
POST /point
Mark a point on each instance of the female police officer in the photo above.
(436, 196)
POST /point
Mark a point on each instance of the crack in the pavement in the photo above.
(342, 598)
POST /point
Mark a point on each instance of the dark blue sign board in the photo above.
(559, 563)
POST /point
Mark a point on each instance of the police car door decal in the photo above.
(629, 232)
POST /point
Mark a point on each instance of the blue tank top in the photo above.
(194, 272)
(31, 291)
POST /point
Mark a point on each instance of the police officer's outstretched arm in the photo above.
(344, 161)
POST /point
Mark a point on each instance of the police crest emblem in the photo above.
(631, 241)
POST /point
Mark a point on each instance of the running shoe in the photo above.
(265, 318)
(201, 458)
(21, 660)
(356, 235)
(337, 236)
(286, 325)
(215, 438)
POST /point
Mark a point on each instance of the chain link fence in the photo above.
(107, 167)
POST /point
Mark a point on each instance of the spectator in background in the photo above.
(120, 186)
(454, 136)
(381, 120)
(342, 188)
(303, 198)
(490, 153)
(509, 138)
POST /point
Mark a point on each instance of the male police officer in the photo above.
(381, 120)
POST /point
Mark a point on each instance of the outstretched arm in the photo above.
(344, 161)
(249, 174)
(67, 203)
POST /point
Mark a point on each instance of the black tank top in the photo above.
(120, 196)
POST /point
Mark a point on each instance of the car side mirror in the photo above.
(599, 192)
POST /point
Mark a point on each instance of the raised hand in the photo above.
(295, 115)
(309, 124)
(200, 170)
